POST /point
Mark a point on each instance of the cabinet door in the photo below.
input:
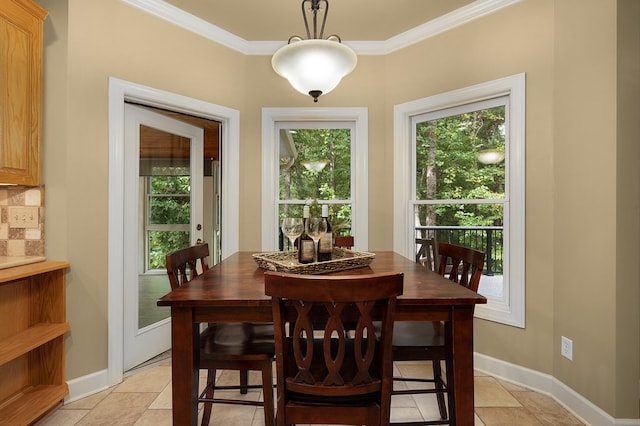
(20, 92)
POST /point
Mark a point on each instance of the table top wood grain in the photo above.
(238, 281)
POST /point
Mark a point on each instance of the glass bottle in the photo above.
(325, 246)
(306, 247)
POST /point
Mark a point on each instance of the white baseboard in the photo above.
(85, 386)
(546, 384)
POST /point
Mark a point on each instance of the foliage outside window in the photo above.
(168, 216)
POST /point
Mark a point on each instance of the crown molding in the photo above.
(456, 18)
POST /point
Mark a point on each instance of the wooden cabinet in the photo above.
(21, 92)
(32, 331)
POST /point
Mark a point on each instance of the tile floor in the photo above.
(144, 398)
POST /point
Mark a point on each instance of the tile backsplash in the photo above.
(14, 240)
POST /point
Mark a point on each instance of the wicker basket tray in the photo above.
(288, 262)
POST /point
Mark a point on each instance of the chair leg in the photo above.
(211, 382)
(450, 393)
(267, 390)
(437, 376)
(244, 381)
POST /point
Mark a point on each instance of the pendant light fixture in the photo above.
(316, 65)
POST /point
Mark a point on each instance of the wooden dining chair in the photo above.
(425, 340)
(228, 346)
(427, 253)
(325, 376)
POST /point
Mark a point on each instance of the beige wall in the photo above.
(585, 169)
(576, 205)
(628, 205)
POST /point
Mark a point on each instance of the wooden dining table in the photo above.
(233, 291)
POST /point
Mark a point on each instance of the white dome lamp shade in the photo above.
(314, 66)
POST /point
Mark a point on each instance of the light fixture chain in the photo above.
(304, 16)
(314, 9)
(324, 17)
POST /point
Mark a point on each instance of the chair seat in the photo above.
(226, 341)
(410, 334)
(418, 333)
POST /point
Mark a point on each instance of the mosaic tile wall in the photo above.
(21, 241)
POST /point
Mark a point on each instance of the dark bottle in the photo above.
(306, 247)
(325, 244)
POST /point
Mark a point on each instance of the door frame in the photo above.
(119, 92)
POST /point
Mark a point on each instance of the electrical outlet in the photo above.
(23, 217)
(566, 348)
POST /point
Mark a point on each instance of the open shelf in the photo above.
(32, 404)
(32, 353)
(28, 340)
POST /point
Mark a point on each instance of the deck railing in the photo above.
(488, 239)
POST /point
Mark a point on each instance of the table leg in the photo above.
(461, 337)
(185, 356)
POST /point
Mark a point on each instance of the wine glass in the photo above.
(292, 228)
(315, 227)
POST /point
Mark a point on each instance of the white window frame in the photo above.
(271, 122)
(511, 308)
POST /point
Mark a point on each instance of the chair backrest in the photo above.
(344, 241)
(465, 263)
(427, 253)
(182, 265)
(332, 364)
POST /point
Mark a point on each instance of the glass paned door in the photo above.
(163, 213)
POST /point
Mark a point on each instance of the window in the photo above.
(167, 219)
(315, 169)
(465, 151)
(310, 157)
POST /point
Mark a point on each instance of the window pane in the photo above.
(339, 215)
(461, 156)
(170, 184)
(170, 201)
(163, 242)
(478, 226)
(317, 166)
(170, 210)
(483, 214)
